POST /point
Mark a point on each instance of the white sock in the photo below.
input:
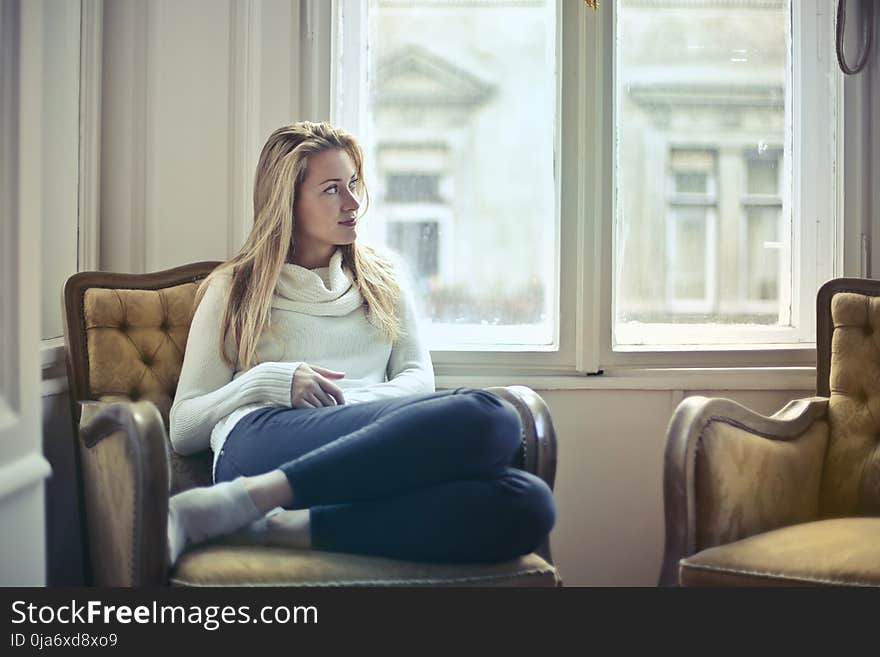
(199, 514)
(281, 528)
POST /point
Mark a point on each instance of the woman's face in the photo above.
(325, 211)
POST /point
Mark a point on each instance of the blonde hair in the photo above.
(255, 269)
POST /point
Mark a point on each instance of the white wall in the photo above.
(609, 481)
(191, 90)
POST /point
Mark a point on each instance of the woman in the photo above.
(305, 374)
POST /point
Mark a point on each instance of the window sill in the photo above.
(702, 378)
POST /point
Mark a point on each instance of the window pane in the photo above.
(687, 262)
(412, 187)
(762, 174)
(419, 240)
(459, 138)
(762, 268)
(700, 104)
(690, 183)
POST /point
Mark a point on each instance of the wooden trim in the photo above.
(91, 61)
(244, 116)
(10, 202)
(21, 473)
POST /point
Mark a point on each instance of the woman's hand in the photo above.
(312, 388)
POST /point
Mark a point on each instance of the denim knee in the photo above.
(532, 508)
(495, 422)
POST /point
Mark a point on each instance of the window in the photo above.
(458, 121)
(715, 91)
(412, 187)
(586, 190)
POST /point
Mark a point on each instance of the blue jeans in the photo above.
(421, 477)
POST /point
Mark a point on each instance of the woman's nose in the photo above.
(350, 201)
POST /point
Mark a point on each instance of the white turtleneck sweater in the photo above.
(316, 317)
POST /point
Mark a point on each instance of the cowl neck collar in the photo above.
(304, 290)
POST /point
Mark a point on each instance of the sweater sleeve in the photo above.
(409, 371)
(208, 389)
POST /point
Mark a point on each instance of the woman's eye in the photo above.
(331, 189)
(353, 185)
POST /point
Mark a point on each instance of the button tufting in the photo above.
(123, 325)
(147, 361)
(133, 395)
(868, 330)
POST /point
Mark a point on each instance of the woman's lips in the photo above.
(350, 222)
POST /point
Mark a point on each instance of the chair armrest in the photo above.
(730, 473)
(538, 452)
(124, 466)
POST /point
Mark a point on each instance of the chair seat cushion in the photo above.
(261, 565)
(837, 552)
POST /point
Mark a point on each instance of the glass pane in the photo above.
(688, 254)
(762, 175)
(470, 208)
(763, 246)
(419, 240)
(691, 183)
(700, 125)
(412, 187)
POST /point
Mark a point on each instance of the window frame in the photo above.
(585, 234)
(348, 90)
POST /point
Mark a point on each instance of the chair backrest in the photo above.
(848, 372)
(125, 336)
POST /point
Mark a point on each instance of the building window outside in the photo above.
(762, 209)
(690, 233)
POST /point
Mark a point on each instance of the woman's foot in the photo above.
(199, 514)
(281, 528)
(290, 529)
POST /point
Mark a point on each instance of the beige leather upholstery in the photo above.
(136, 340)
(851, 477)
(793, 498)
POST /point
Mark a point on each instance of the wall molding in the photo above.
(244, 115)
(9, 181)
(315, 56)
(142, 117)
(91, 54)
(22, 473)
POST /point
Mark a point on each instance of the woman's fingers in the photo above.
(333, 374)
(310, 399)
(333, 390)
(323, 397)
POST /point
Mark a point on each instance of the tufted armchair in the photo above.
(125, 337)
(794, 498)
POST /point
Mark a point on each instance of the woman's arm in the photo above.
(410, 371)
(206, 391)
